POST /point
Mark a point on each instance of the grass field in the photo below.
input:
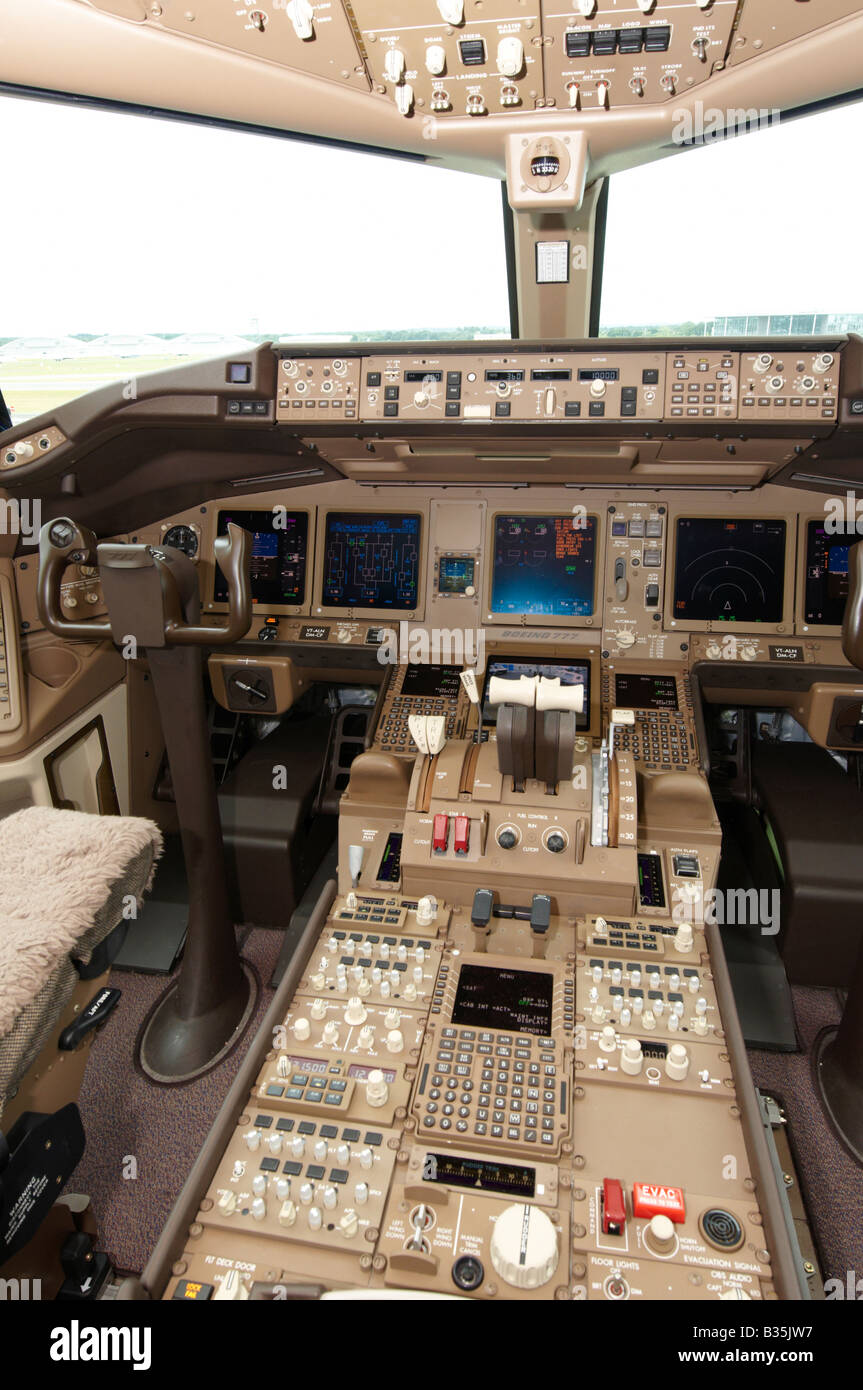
(33, 388)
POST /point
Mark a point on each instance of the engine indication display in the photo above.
(826, 574)
(371, 560)
(279, 549)
(544, 565)
(729, 571)
(517, 1001)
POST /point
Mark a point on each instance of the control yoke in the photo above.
(161, 609)
(151, 593)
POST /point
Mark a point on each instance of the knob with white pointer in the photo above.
(510, 56)
(524, 1247)
(355, 1012)
(436, 59)
(646, 5)
(586, 7)
(302, 16)
(451, 11)
(394, 65)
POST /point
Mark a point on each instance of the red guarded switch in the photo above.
(613, 1207)
(651, 1199)
(440, 834)
(461, 837)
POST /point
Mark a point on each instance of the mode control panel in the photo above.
(514, 386)
(801, 385)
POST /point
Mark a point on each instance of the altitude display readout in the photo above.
(516, 1001)
(279, 549)
(544, 565)
(729, 571)
(371, 560)
(827, 557)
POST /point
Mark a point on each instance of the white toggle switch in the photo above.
(405, 98)
(510, 56)
(259, 1208)
(637, 1004)
(673, 1022)
(646, 5)
(301, 1029)
(693, 984)
(361, 1193)
(394, 65)
(402, 952)
(366, 1156)
(377, 1094)
(451, 11)
(227, 1203)
(343, 1154)
(259, 1185)
(283, 1189)
(298, 1146)
(302, 16)
(274, 1143)
(417, 974)
(597, 973)
(677, 1062)
(602, 94)
(316, 1219)
(253, 1139)
(331, 1198)
(436, 59)
(701, 1005)
(355, 1012)
(420, 954)
(386, 989)
(320, 1150)
(307, 1192)
(585, 7)
(231, 1290)
(395, 1041)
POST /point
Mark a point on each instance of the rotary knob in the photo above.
(556, 842)
(507, 838)
(524, 1247)
(355, 1012)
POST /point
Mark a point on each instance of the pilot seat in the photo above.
(70, 883)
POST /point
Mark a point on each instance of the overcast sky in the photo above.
(156, 226)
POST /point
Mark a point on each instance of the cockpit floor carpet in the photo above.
(142, 1139)
(832, 1182)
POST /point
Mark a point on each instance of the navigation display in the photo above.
(645, 692)
(371, 560)
(512, 668)
(518, 1001)
(279, 549)
(543, 565)
(729, 571)
(826, 574)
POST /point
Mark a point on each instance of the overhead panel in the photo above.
(454, 57)
(765, 24)
(312, 37)
(612, 53)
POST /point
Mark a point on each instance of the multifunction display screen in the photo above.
(517, 1001)
(544, 565)
(827, 556)
(645, 692)
(431, 682)
(729, 571)
(279, 550)
(371, 560)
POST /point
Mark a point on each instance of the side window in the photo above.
(755, 234)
